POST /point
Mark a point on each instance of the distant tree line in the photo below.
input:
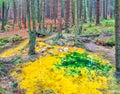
(87, 10)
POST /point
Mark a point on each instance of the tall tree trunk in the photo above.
(71, 13)
(84, 12)
(104, 11)
(67, 4)
(76, 12)
(59, 27)
(28, 14)
(3, 19)
(94, 9)
(112, 9)
(11, 12)
(43, 12)
(19, 13)
(33, 14)
(101, 9)
(117, 26)
(97, 12)
(79, 10)
(24, 13)
(51, 9)
(76, 19)
(15, 11)
(87, 12)
(38, 12)
(91, 3)
(41, 4)
(0, 14)
(32, 34)
(6, 12)
(54, 12)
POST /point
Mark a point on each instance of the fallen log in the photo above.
(49, 38)
(89, 35)
(83, 35)
(66, 36)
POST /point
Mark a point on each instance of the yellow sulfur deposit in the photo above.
(16, 50)
(42, 76)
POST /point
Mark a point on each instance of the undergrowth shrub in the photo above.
(16, 37)
(111, 41)
(108, 23)
(4, 41)
(104, 26)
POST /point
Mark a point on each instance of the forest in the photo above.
(59, 46)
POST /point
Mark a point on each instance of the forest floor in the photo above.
(101, 51)
(22, 33)
(107, 53)
(16, 54)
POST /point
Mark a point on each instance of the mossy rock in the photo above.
(106, 41)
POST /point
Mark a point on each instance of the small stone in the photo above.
(66, 49)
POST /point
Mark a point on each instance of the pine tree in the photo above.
(24, 13)
(97, 12)
(43, 12)
(71, 13)
(117, 26)
(3, 19)
(38, 12)
(67, 5)
(87, 12)
(15, 11)
(32, 33)
(76, 19)
(59, 28)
